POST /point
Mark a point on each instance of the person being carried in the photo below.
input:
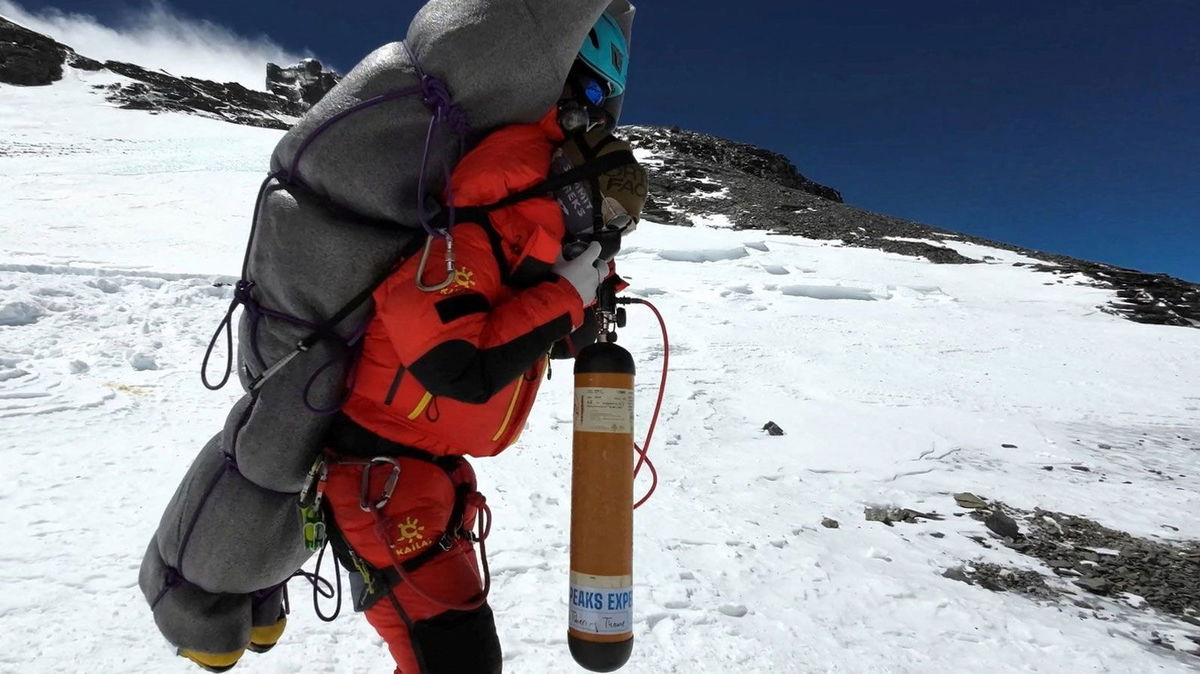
(450, 370)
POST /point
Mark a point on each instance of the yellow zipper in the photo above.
(420, 408)
(512, 405)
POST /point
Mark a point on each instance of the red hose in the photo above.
(643, 450)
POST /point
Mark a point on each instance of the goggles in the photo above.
(595, 91)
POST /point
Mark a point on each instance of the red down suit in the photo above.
(456, 371)
(450, 373)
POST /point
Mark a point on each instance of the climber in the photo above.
(451, 364)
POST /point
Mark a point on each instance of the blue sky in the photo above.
(1069, 126)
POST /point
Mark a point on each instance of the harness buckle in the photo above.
(388, 487)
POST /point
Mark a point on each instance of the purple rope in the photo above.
(438, 98)
(354, 346)
(172, 580)
(329, 123)
(262, 193)
(208, 492)
(422, 216)
(436, 95)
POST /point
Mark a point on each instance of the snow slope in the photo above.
(897, 382)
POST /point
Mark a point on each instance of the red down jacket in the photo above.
(456, 371)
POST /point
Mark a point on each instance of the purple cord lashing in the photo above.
(437, 97)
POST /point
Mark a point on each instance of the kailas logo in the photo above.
(464, 279)
(411, 529)
(410, 537)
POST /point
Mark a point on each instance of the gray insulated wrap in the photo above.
(503, 61)
(307, 261)
(326, 231)
(225, 534)
(190, 617)
(511, 45)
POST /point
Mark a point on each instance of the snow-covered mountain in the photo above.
(982, 468)
(693, 175)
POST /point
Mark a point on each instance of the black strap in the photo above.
(408, 250)
(328, 328)
(590, 169)
(589, 172)
(454, 530)
(346, 438)
(481, 215)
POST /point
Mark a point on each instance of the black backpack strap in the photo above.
(589, 172)
(591, 169)
(481, 215)
(327, 329)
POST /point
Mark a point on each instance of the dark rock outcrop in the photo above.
(304, 84)
(231, 101)
(1156, 299)
(1165, 575)
(697, 175)
(29, 59)
(83, 63)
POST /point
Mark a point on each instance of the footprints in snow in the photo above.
(119, 323)
(699, 603)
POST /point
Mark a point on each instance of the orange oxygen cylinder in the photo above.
(600, 632)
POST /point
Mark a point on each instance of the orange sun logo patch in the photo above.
(464, 279)
(410, 537)
(410, 529)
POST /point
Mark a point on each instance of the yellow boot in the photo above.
(214, 662)
(263, 639)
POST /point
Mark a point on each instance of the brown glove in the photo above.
(625, 185)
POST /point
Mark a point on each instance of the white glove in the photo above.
(584, 272)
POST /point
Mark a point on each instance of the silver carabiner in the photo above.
(388, 487)
(314, 483)
(425, 261)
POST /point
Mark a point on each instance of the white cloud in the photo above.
(155, 36)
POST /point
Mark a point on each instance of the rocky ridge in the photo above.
(695, 175)
(28, 58)
(231, 102)
(1096, 568)
(32, 59)
(303, 84)
(692, 175)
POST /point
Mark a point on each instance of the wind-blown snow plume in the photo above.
(154, 35)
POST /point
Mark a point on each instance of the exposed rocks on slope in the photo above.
(1098, 568)
(1156, 299)
(231, 101)
(697, 175)
(304, 84)
(32, 59)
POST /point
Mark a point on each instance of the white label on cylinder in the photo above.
(603, 410)
(601, 604)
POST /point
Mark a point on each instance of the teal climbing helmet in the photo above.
(606, 52)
